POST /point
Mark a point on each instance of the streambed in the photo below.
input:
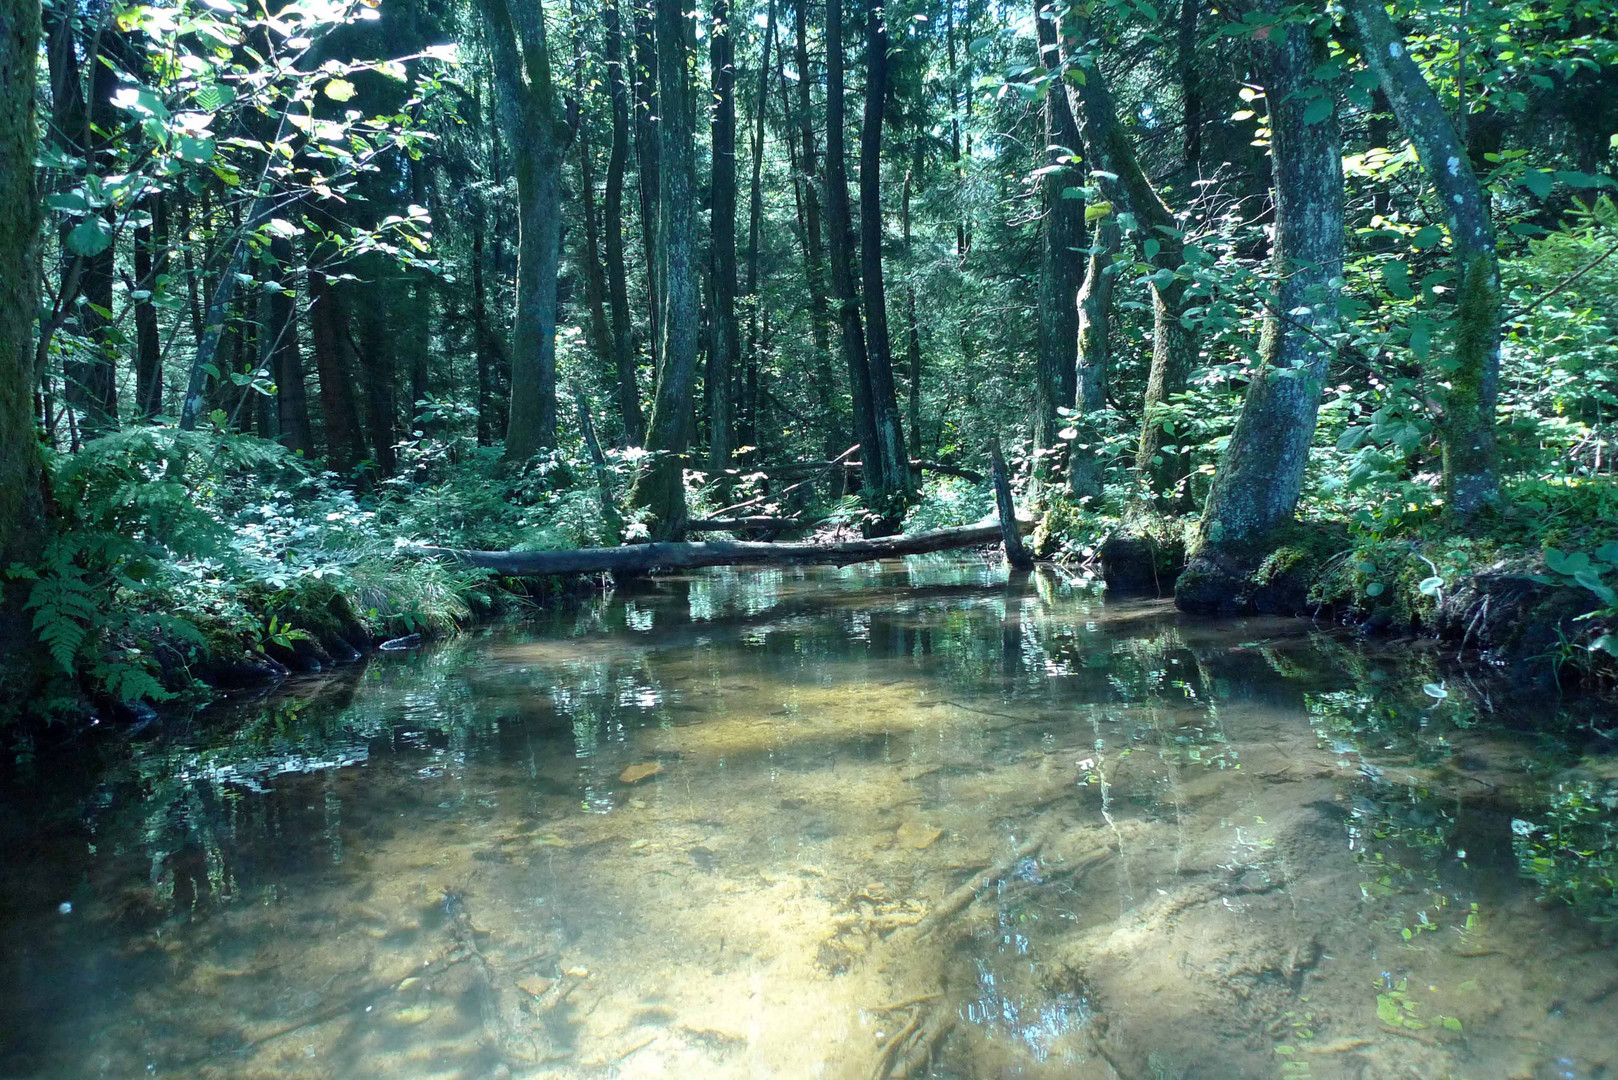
(907, 818)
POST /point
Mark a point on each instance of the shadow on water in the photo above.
(895, 819)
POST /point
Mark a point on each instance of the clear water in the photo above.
(1213, 849)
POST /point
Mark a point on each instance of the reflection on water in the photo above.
(885, 820)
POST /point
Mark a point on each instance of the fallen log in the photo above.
(644, 558)
(797, 468)
(716, 524)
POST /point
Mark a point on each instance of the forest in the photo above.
(306, 303)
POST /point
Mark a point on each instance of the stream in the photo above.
(896, 819)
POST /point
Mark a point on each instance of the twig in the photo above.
(926, 1041)
(897, 1005)
(884, 1060)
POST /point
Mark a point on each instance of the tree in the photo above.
(1260, 477)
(22, 522)
(840, 242)
(722, 353)
(533, 117)
(1061, 267)
(659, 488)
(623, 335)
(1129, 190)
(1466, 424)
(894, 487)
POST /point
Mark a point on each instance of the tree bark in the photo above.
(643, 558)
(595, 280)
(623, 327)
(151, 268)
(814, 256)
(285, 359)
(659, 488)
(755, 227)
(723, 350)
(1094, 360)
(1467, 424)
(912, 327)
(1061, 267)
(1011, 537)
(649, 169)
(890, 440)
(1261, 475)
(22, 516)
(376, 350)
(328, 329)
(840, 234)
(533, 117)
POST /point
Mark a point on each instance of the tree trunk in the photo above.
(723, 349)
(1094, 361)
(814, 257)
(755, 228)
(595, 281)
(890, 439)
(22, 517)
(649, 168)
(1190, 91)
(1172, 346)
(328, 331)
(286, 359)
(375, 347)
(1261, 475)
(1011, 536)
(659, 488)
(151, 267)
(912, 328)
(1467, 423)
(623, 327)
(1061, 266)
(531, 113)
(483, 336)
(840, 233)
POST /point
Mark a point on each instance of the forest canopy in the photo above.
(290, 288)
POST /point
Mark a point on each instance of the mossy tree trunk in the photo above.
(22, 523)
(1472, 369)
(532, 115)
(649, 169)
(1261, 474)
(1061, 267)
(1127, 188)
(659, 488)
(1094, 360)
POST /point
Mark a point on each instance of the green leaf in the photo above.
(1431, 586)
(1387, 1009)
(1539, 182)
(89, 237)
(340, 90)
(1426, 237)
(1317, 110)
(1096, 211)
(1607, 643)
(1396, 276)
(1375, 588)
(194, 149)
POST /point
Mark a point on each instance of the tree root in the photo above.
(963, 896)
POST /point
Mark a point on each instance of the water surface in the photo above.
(730, 825)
